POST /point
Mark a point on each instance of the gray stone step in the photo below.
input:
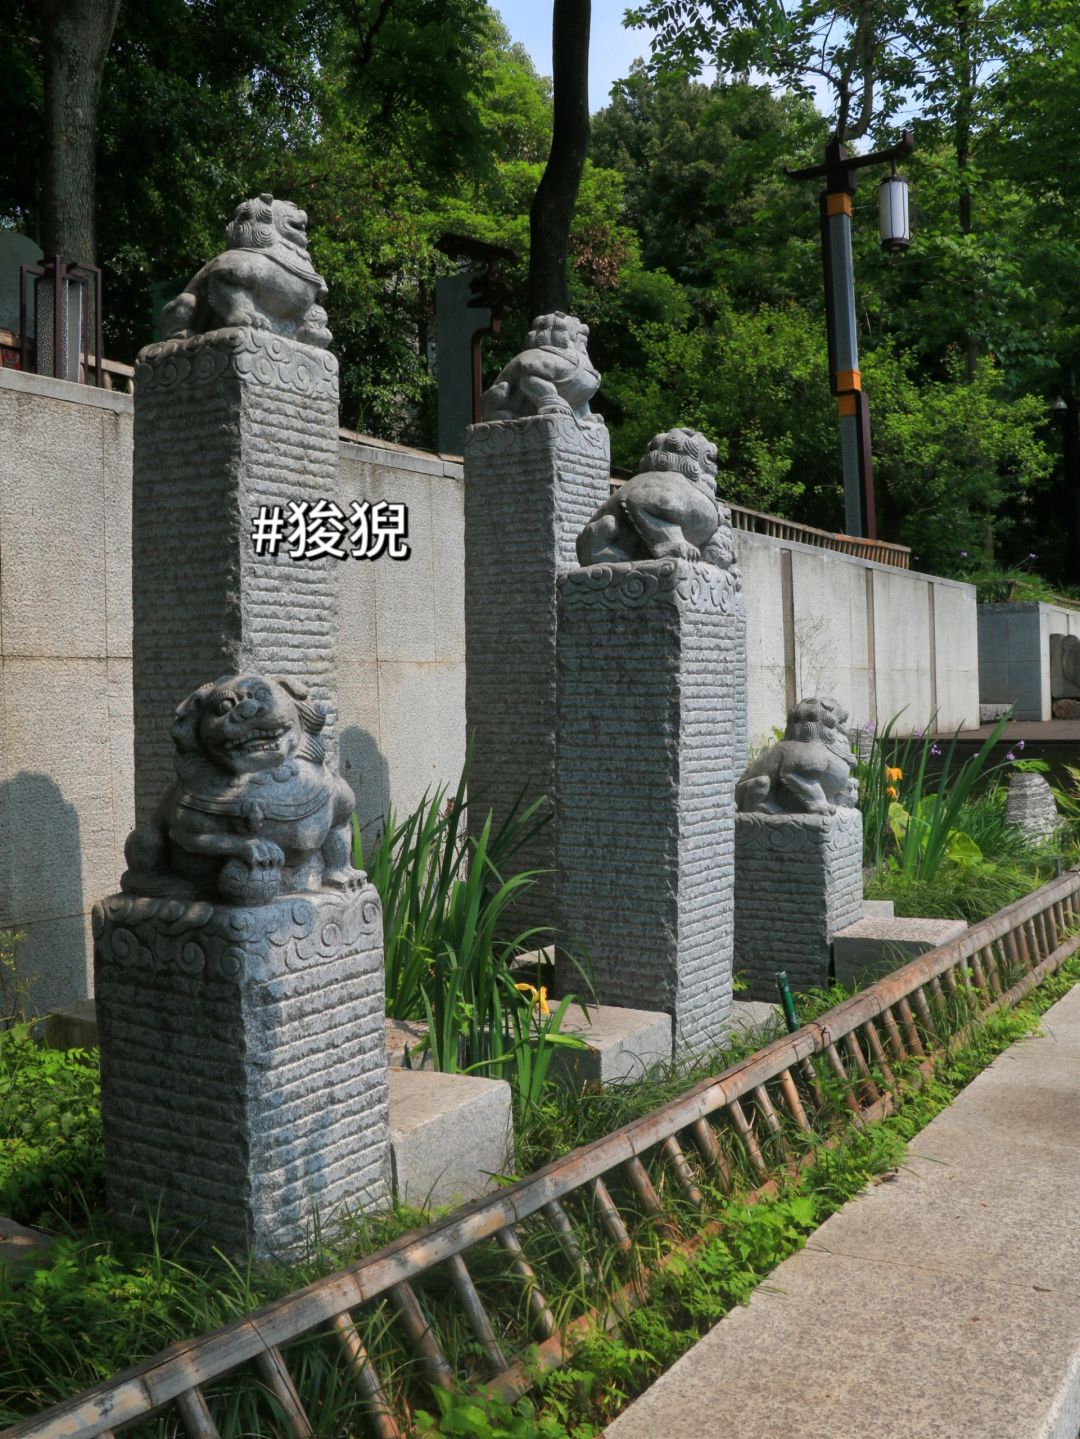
(943, 1304)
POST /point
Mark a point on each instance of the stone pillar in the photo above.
(530, 486)
(798, 880)
(650, 720)
(243, 1064)
(226, 422)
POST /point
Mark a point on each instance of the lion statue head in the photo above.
(558, 332)
(245, 723)
(268, 224)
(812, 719)
(687, 452)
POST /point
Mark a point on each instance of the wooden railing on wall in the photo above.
(882, 552)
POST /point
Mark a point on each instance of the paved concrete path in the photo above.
(944, 1304)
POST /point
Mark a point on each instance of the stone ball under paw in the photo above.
(246, 885)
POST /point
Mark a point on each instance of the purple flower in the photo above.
(1010, 755)
(919, 733)
(869, 727)
(1020, 744)
(1033, 555)
(935, 749)
(963, 554)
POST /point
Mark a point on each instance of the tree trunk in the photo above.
(553, 204)
(965, 100)
(75, 39)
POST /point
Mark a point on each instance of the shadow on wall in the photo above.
(41, 891)
(365, 767)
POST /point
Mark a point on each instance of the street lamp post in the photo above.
(839, 173)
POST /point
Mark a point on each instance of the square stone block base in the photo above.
(243, 1065)
(450, 1134)
(622, 1045)
(798, 881)
(74, 1027)
(878, 909)
(870, 948)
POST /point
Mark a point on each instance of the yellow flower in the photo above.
(894, 774)
(892, 791)
(536, 996)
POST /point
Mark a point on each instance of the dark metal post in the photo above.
(1070, 445)
(845, 380)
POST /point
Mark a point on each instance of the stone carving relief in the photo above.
(1070, 658)
(254, 356)
(553, 375)
(810, 771)
(669, 510)
(265, 280)
(256, 810)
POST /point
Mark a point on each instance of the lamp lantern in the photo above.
(895, 219)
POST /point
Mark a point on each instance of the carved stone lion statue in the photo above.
(552, 376)
(809, 771)
(265, 279)
(255, 810)
(668, 510)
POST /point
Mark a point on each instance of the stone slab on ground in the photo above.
(878, 909)
(449, 1135)
(623, 1044)
(19, 1245)
(870, 948)
(402, 1034)
(74, 1027)
(944, 1303)
(752, 1016)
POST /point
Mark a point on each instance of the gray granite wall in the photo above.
(651, 729)
(798, 879)
(530, 486)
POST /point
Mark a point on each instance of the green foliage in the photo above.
(484, 1416)
(934, 832)
(915, 830)
(950, 456)
(50, 1129)
(447, 899)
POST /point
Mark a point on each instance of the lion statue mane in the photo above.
(669, 510)
(255, 809)
(553, 375)
(265, 279)
(809, 771)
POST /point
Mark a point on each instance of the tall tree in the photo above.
(76, 35)
(553, 204)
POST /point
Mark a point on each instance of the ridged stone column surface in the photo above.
(798, 879)
(651, 715)
(243, 1064)
(531, 485)
(224, 423)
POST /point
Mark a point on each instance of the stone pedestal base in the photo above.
(650, 725)
(530, 487)
(798, 879)
(243, 1064)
